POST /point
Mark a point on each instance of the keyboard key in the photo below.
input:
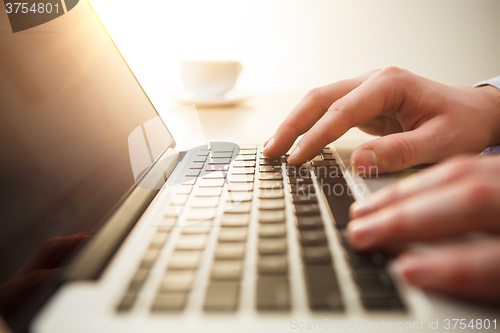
(127, 302)
(222, 296)
(173, 211)
(271, 204)
(236, 234)
(191, 242)
(235, 220)
(312, 237)
(214, 174)
(230, 251)
(197, 228)
(243, 164)
(238, 207)
(211, 182)
(271, 184)
(200, 214)
(239, 196)
(242, 171)
(226, 270)
(158, 240)
(275, 193)
(270, 161)
(327, 172)
(138, 279)
(379, 279)
(304, 189)
(177, 280)
(299, 181)
(248, 148)
(181, 189)
(245, 158)
(196, 165)
(299, 199)
(277, 264)
(184, 260)
(170, 301)
(307, 210)
(208, 192)
(180, 199)
(241, 178)
(216, 167)
(390, 302)
(187, 181)
(338, 200)
(270, 176)
(248, 151)
(309, 222)
(327, 156)
(240, 187)
(192, 173)
(317, 158)
(205, 202)
(270, 168)
(298, 171)
(149, 258)
(273, 293)
(316, 255)
(272, 230)
(271, 216)
(322, 288)
(216, 161)
(272, 246)
(199, 159)
(324, 163)
(167, 224)
(221, 155)
(366, 260)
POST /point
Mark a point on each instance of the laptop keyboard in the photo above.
(219, 194)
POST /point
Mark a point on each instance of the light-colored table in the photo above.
(253, 121)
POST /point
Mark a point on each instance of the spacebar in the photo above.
(339, 199)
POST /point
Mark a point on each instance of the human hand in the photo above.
(458, 197)
(422, 121)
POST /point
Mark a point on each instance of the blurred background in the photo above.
(287, 44)
(295, 45)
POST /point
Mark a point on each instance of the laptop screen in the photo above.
(68, 103)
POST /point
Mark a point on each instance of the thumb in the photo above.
(396, 152)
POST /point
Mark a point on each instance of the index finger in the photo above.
(379, 93)
(307, 112)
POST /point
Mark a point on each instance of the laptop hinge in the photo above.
(94, 257)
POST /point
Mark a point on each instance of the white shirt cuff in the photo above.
(493, 82)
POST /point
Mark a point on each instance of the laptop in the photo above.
(106, 227)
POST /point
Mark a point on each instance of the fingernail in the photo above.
(360, 208)
(294, 154)
(413, 269)
(365, 159)
(361, 234)
(268, 142)
(267, 147)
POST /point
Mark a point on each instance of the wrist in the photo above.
(491, 96)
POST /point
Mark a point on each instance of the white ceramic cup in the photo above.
(209, 79)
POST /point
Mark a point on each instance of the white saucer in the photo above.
(232, 97)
